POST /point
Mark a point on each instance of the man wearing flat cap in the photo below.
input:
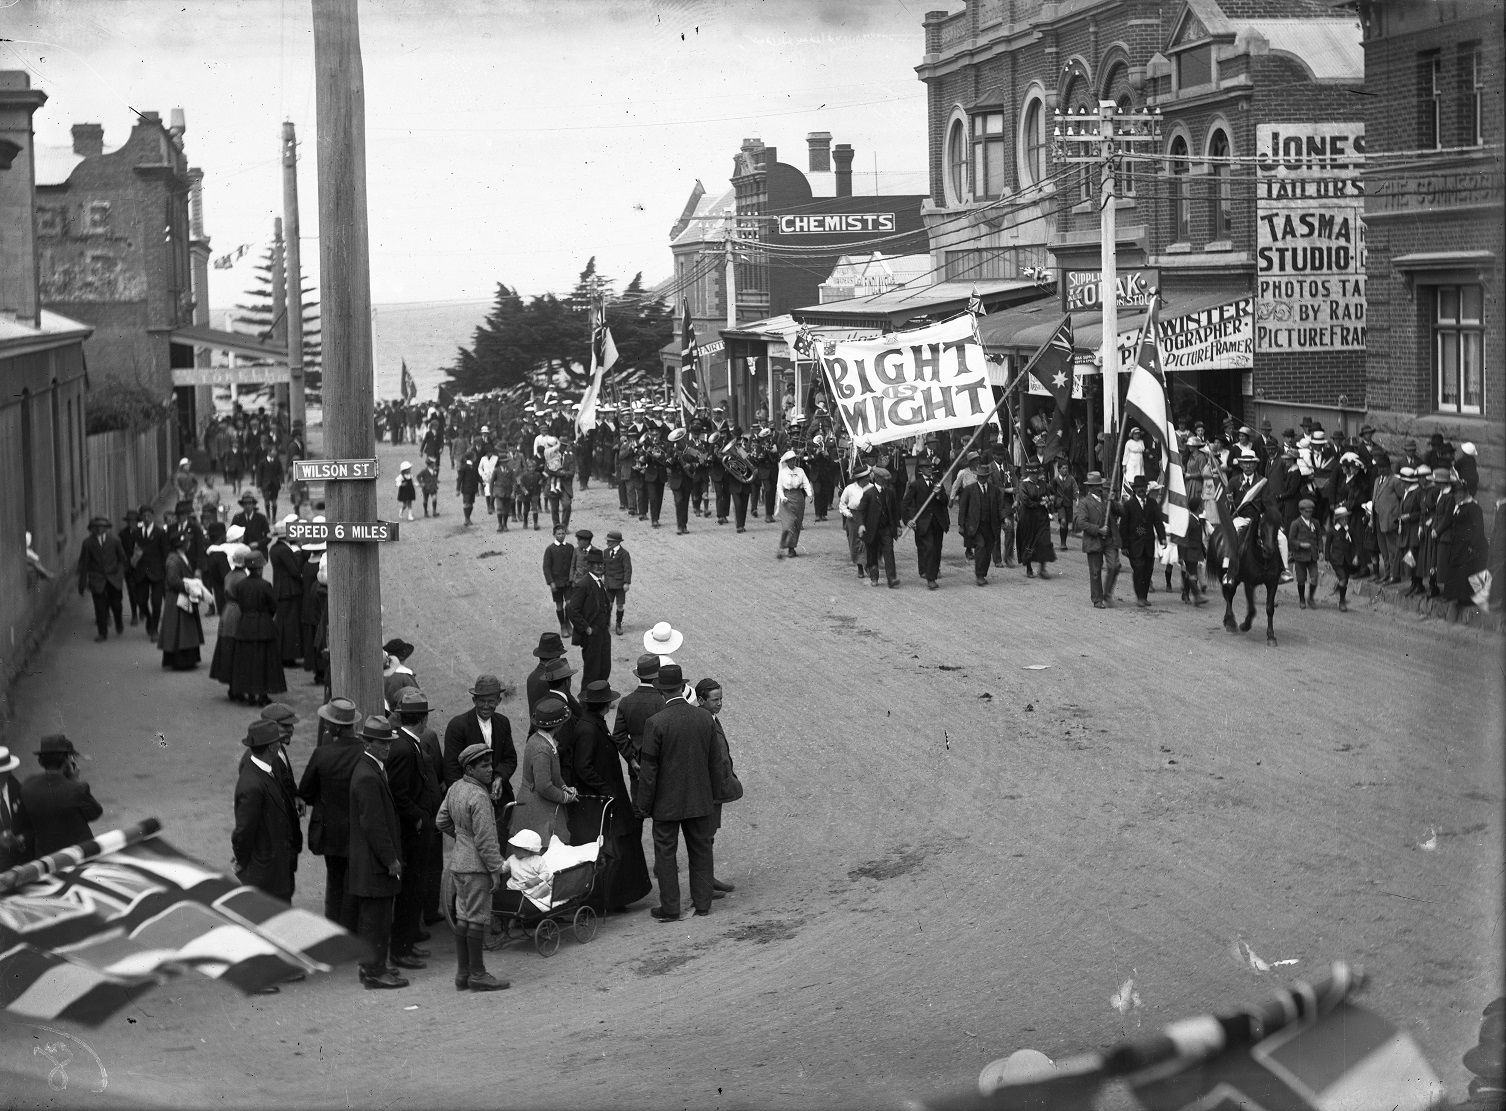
(476, 866)
(101, 571)
(680, 762)
(482, 724)
(376, 853)
(267, 837)
(580, 557)
(417, 793)
(325, 786)
(589, 610)
(59, 803)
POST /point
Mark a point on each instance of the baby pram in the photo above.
(515, 917)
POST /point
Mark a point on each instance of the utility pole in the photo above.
(279, 309)
(355, 595)
(731, 316)
(295, 276)
(1105, 140)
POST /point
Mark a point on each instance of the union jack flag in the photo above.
(804, 342)
(975, 304)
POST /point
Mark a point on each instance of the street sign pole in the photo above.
(355, 594)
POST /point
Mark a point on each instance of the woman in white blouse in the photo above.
(794, 490)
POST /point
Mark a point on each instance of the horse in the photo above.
(1254, 563)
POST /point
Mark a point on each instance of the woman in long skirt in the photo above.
(624, 877)
(224, 644)
(256, 669)
(543, 794)
(1468, 554)
(794, 490)
(1033, 537)
(181, 631)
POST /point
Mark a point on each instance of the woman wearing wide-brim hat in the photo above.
(793, 490)
(542, 792)
(181, 631)
(624, 877)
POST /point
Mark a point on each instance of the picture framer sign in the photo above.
(1310, 243)
(906, 385)
(1218, 338)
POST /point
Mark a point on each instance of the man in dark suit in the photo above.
(258, 528)
(680, 763)
(326, 787)
(151, 565)
(417, 794)
(1090, 516)
(376, 853)
(263, 842)
(877, 519)
(980, 517)
(101, 571)
(1143, 528)
(634, 711)
(58, 803)
(186, 524)
(130, 539)
(481, 724)
(929, 526)
(287, 584)
(590, 613)
(15, 826)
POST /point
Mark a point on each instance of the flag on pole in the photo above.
(1051, 366)
(1146, 403)
(690, 387)
(603, 355)
(89, 928)
(409, 386)
(975, 304)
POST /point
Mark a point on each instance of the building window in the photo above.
(99, 218)
(1195, 67)
(988, 155)
(1429, 96)
(1181, 192)
(49, 220)
(956, 160)
(1221, 168)
(1459, 348)
(1472, 92)
(1033, 142)
(977, 265)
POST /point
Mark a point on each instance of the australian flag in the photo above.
(1052, 365)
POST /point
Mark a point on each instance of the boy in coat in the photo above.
(559, 561)
(476, 866)
(1341, 552)
(101, 571)
(376, 856)
(1302, 540)
(617, 574)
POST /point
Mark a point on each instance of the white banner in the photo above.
(899, 386)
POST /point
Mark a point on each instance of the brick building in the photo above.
(1259, 334)
(44, 473)
(1433, 210)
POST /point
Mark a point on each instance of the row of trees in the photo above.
(547, 339)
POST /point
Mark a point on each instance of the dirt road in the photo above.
(942, 856)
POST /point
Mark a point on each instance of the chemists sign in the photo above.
(1310, 246)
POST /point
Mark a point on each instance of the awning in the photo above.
(894, 307)
(1024, 329)
(237, 343)
(773, 333)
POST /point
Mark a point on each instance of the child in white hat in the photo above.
(406, 494)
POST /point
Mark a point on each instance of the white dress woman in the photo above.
(1134, 457)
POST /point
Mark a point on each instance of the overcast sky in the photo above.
(506, 141)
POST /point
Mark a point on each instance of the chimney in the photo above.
(18, 201)
(932, 23)
(819, 143)
(88, 139)
(842, 155)
(179, 122)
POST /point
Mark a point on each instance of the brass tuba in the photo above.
(735, 458)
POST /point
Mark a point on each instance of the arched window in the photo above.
(988, 155)
(956, 157)
(1181, 192)
(1222, 170)
(1033, 142)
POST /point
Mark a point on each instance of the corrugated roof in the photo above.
(1331, 49)
(55, 161)
(19, 338)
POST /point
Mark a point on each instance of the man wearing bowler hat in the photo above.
(1143, 527)
(267, 837)
(551, 647)
(417, 793)
(326, 787)
(376, 854)
(258, 528)
(590, 613)
(101, 571)
(680, 762)
(633, 712)
(59, 803)
(482, 724)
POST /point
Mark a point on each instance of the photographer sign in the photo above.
(1310, 246)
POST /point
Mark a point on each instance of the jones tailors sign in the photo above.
(1310, 244)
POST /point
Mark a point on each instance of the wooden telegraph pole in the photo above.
(294, 276)
(355, 596)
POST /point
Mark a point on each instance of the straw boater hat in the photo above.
(9, 762)
(663, 640)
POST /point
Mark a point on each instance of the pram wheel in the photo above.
(546, 937)
(497, 930)
(586, 924)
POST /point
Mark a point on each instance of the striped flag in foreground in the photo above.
(80, 941)
(1146, 404)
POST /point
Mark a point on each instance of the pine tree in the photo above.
(258, 314)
